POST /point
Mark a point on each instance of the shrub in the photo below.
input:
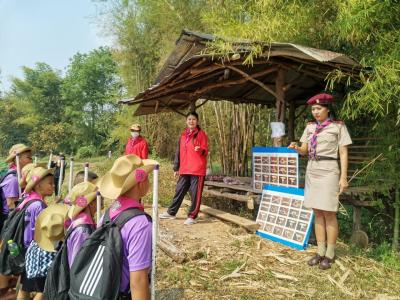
(86, 151)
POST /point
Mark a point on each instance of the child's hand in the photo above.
(293, 145)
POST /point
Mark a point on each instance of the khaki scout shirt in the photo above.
(329, 139)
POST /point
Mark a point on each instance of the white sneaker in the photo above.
(166, 215)
(189, 221)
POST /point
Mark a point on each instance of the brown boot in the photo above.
(315, 260)
(326, 263)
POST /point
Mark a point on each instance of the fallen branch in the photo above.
(176, 254)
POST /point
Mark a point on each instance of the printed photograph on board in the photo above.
(296, 203)
(258, 186)
(283, 180)
(273, 170)
(292, 161)
(292, 181)
(292, 171)
(282, 170)
(271, 219)
(283, 160)
(305, 216)
(273, 209)
(265, 169)
(291, 224)
(274, 179)
(269, 228)
(276, 199)
(257, 176)
(288, 233)
(298, 237)
(285, 201)
(273, 160)
(294, 213)
(278, 230)
(281, 221)
(265, 160)
(301, 227)
(283, 211)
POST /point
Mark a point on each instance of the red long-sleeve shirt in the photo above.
(137, 146)
(187, 160)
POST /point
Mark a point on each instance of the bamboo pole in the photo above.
(396, 222)
(60, 179)
(154, 232)
(18, 174)
(50, 158)
(86, 172)
(71, 173)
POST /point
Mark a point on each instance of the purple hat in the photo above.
(320, 99)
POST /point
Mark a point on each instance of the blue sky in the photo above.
(49, 31)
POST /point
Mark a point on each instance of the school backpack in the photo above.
(13, 229)
(96, 271)
(58, 279)
(2, 177)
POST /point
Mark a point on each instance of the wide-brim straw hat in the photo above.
(126, 172)
(26, 170)
(16, 149)
(80, 197)
(35, 176)
(136, 127)
(49, 226)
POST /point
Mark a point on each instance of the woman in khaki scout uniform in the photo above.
(322, 140)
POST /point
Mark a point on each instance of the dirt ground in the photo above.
(226, 262)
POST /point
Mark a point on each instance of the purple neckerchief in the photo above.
(189, 134)
(31, 196)
(13, 166)
(312, 151)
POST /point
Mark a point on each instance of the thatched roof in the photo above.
(189, 74)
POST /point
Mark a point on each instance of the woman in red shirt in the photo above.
(136, 144)
(190, 163)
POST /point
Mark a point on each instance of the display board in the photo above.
(283, 218)
(275, 166)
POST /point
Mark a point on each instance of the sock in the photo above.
(321, 248)
(330, 251)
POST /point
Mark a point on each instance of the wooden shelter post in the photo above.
(291, 119)
(280, 103)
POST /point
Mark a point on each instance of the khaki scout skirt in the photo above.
(322, 185)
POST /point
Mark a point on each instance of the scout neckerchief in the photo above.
(31, 196)
(189, 134)
(123, 203)
(82, 218)
(312, 151)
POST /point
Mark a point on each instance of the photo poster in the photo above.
(275, 166)
(283, 218)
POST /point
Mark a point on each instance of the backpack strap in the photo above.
(29, 203)
(128, 214)
(69, 231)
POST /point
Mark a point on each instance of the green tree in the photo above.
(91, 88)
